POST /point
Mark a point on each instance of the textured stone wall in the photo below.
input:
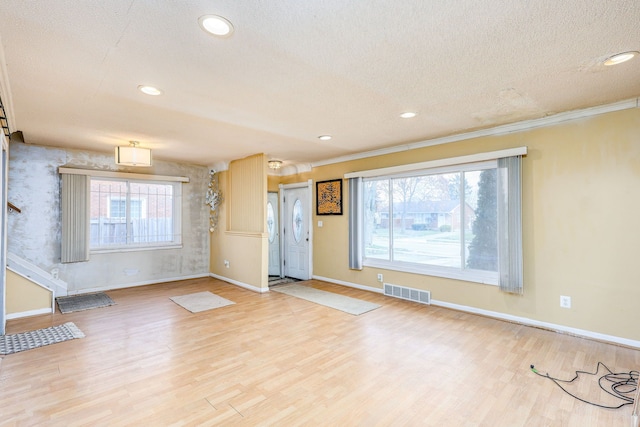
(34, 234)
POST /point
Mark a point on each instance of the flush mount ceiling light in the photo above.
(408, 115)
(132, 155)
(325, 137)
(621, 57)
(149, 90)
(275, 164)
(216, 25)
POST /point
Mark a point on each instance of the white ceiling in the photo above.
(294, 70)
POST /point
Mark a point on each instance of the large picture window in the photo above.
(434, 221)
(458, 218)
(129, 213)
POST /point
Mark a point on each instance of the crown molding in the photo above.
(498, 130)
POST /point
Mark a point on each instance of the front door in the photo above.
(273, 227)
(297, 234)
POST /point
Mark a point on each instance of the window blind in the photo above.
(75, 218)
(355, 224)
(510, 224)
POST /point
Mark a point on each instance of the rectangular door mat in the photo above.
(27, 340)
(83, 302)
(329, 299)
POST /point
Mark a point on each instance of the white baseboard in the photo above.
(241, 284)
(133, 285)
(29, 313)
(507, 317)
(539, 324)
(349, 284)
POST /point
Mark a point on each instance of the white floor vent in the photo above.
(423, 297)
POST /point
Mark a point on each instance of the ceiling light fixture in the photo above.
(132, 155)
(149, 90)
(275, 164)
(216, 25)
(621, 57)
(408, 115)
(325, 137)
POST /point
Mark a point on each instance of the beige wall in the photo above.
(247, 194)
(23, 295)
(580, 226)
(245, 246)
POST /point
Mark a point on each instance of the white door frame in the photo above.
(308, 185)
(277, 232)
(4, 178)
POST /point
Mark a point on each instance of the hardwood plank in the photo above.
(272, 359)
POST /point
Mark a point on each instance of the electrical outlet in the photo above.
(380, 278)
(565, 302)
(226, 263)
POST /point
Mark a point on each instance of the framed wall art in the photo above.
(329, 197)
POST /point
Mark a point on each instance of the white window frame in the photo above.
(175, 181)
(175, 217)
(462, 273)
(422, 168)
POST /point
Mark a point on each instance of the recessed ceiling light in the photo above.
(149, 90)
(408, 115)
(216, 25)
(325, 137)
(621, 57)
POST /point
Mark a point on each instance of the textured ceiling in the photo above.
(294, 70)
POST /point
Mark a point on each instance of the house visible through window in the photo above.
(118, 208)
(437, 221)
(130, 213)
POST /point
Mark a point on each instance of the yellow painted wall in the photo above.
(581, 230)
(273, 182)
(247, 194)
(246, 246)
(24, 295)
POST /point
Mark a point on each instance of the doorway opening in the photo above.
(290, 233)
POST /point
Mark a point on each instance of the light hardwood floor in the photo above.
(272, 359)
